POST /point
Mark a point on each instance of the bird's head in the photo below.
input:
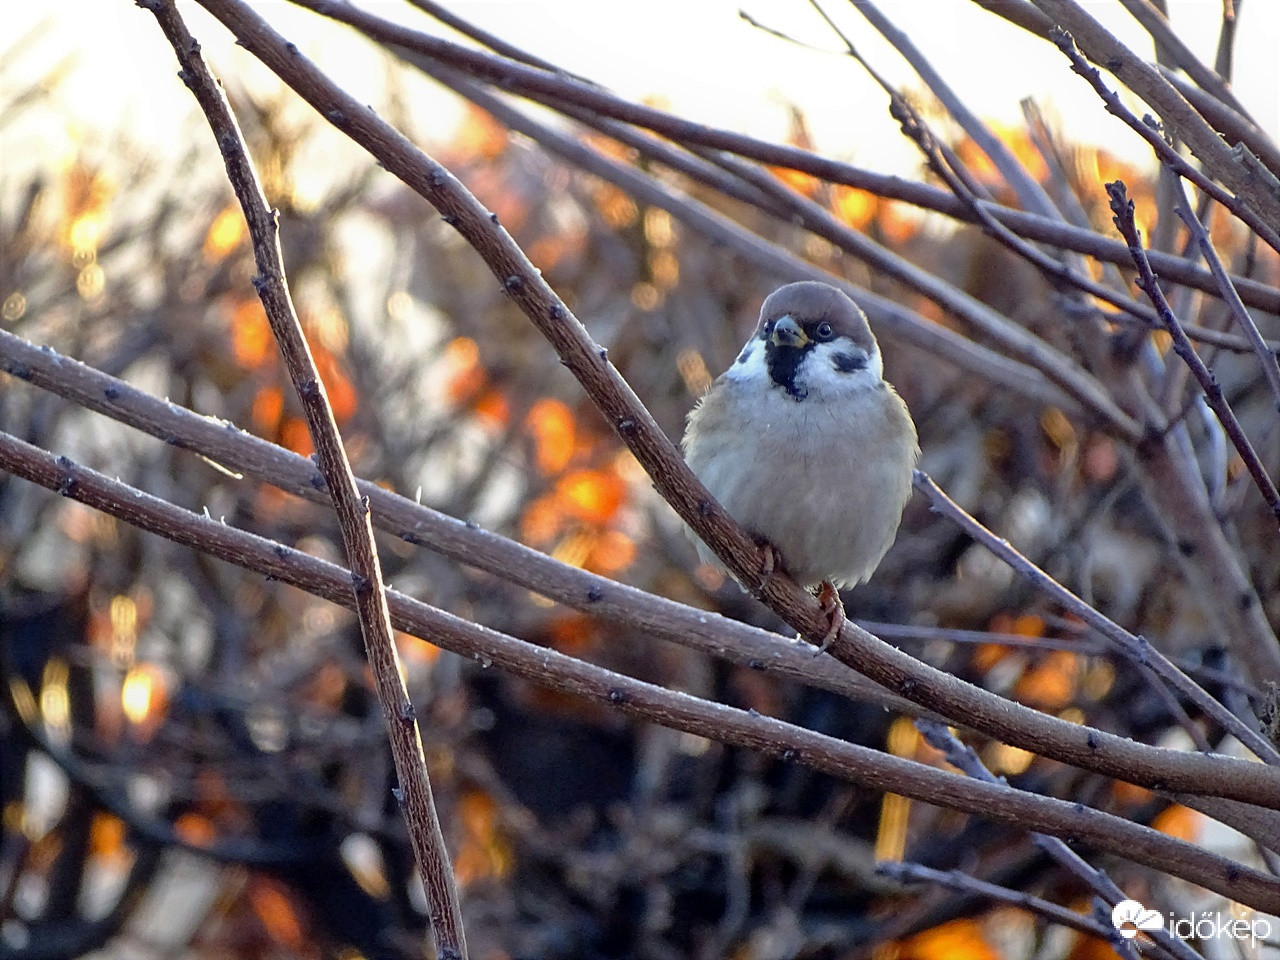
(811, 341)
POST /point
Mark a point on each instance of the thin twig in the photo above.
(1068, 197)
(1136, 649)
(1157, 24)
(492, 41)
(679, 711)
(1029, 192)
(1266, 355)
(1213, 338)
(963, 757)
(1150, 132)
(1232, 126)
(414, 792)
(725, 175)
(1061, 273)
(1020, 13)
(1122, 207)
(906, 632)
(1261, 826)
(543, 86)
(852, 50)
(1256, 204)
(1174, 483)
(890, 318)
(969, 885)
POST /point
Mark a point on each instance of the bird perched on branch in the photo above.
(804, 443)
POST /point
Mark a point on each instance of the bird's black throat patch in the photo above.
(784, 363)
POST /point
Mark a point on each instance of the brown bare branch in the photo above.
(1070, 821)
(352, 508)
(899, 672)
(1122, 207)
(551, 88)
(1252, 202)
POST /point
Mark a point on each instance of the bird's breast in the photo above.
(824, 481)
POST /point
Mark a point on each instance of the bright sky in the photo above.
(697, 54)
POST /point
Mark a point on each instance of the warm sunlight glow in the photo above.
(55, 703)
(251, 340)
(484, 852)
(1181, 822)
(592, 495)
(956, 940)
(123, 613)
(274, 909)
(551, 423)
(135, 693)
(610, 553)
(227, 232)
(195, 829)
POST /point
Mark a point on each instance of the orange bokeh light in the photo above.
(1179, 821)
(592, 495)
(554, 431)
(227, 232)
(956, 940)
(251, 342)
(1051, 684)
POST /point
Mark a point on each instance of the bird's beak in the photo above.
(787, 333)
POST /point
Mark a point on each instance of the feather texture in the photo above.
(820, 467)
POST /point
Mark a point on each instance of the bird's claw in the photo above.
(768, 562)
(829, 600)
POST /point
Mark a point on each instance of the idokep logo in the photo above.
(1131, 918)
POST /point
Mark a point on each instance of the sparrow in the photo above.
(805, 444)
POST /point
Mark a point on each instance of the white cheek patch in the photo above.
(833, 369)
(750, 364)
(875, 365)
(856, 364)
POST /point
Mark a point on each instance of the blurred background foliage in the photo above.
(193, 764)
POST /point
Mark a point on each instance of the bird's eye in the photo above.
(823, 331)
(768, 328)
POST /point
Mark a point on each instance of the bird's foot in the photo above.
(768, 561)
(829, 600)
